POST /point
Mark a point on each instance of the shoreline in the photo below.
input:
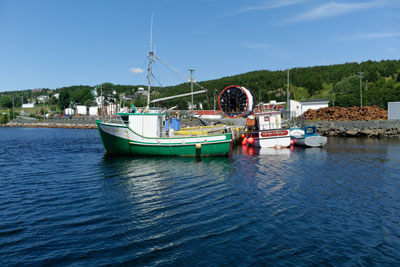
(52, 124)
(374, 129)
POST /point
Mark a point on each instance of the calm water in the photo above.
(62, 202)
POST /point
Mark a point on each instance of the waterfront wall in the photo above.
(378, 128)
(62, 123)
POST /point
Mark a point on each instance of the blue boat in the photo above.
(307, 136)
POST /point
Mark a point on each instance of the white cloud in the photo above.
(371, 36)
(263, 6)
(333, 9)
(136, 70)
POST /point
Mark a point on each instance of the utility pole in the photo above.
(13, 108)
(101, 97)
(191, 84)
(288, 94)
(361, 74)
(214, 100)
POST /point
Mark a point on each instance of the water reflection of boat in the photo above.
(274, 152)
(307, 137)
(318, 153)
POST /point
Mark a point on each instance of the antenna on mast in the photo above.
(151, 33)
(151, 59)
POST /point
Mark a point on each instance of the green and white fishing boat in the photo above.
(144, 133)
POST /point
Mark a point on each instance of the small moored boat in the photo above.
(267, 129)
(307, 136)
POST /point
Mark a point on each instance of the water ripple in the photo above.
(64, 202)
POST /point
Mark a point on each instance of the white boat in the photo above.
(307, 136)
(267, 129)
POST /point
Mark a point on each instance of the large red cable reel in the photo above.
(236, 101)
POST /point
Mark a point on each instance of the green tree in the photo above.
(64, 99)
(6, 102)
(3, 118)
(347, 91)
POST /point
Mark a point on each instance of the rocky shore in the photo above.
(65, 123)
(376, 128)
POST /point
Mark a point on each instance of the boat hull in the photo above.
(310, 141)
(279, 138)
(122, 140)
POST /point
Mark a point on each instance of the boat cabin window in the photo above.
(310, 130)
(125, 119)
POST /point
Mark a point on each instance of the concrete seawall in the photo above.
(379, 128)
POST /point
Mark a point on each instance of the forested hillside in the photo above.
(338, 83)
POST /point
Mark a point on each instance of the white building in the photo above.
(28, 105)
(81, 110)
(141, 91)
(69, 111)
(93, 111)
(394, 111)
(42, 98)
(298, 108)
(295, 108)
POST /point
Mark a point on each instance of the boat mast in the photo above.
(191, 85)
(151, 59)
(288, 95)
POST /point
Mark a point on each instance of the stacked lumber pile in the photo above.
(347, 114)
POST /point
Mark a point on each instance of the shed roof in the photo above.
(325, 101)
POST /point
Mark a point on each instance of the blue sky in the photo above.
(51, 44)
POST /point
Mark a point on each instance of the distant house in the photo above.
(93, 111)
(28, 105)
(394, 111)
(313, 104)
(141, 91)
(298, 108)
(69, 111)
(42, 98)
(81, 110)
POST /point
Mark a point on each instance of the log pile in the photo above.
(347, 114)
